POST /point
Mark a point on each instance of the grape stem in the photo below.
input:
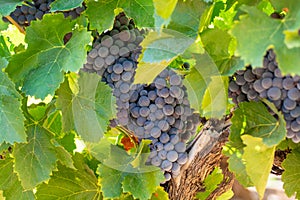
(11, 20)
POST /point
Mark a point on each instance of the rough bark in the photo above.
(205, 153)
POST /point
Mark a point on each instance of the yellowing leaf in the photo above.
(164, 8)
(259, 161)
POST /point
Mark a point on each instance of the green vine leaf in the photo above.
(292, 39)
(263, 33)
(142, 185)
(76, 184)
(291, 20)
(42, 65)
(160, 194)
(215, 98)
(118, 167)
(236, 164)
(92, 107)
(219, 45)
(254, 119)
(140, 10)
(11, 116)
(35, 160)
(259, 161)
(198, 80)
(188, 24)
(10, 184)
(64, 103)
(211, 183)
(65, 5)
(291, 175)
(8, 6)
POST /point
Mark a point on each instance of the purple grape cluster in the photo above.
(36, 9)
(267, 82)
(159, 111)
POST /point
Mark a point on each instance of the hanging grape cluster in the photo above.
(159, 111)
(36, 9)
(268, 82)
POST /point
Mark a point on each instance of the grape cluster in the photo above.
(159, 111)
(114, 57)
(268, 82)
(36, 9)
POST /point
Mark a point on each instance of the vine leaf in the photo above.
(211, 183)
(160, 194)
(142, 185)
(219, 45)
(199, 78)
(292, 39)
(236, 164)
(163, 11)
(10, 184)
(42, 65)
(11, 116)
(140, 10)
(215, 99)
(77, 184)
(291, 175)
(164, 8)
(92, 107)
(159, 50)
(65, 5)
(64, 103)
(111, 181)
(35, 160)
(8, 6)
(291, 20)
(188, 24)
(64, 157)
(258, 122)
(264, 32)
(259, 161)
(117, 175)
